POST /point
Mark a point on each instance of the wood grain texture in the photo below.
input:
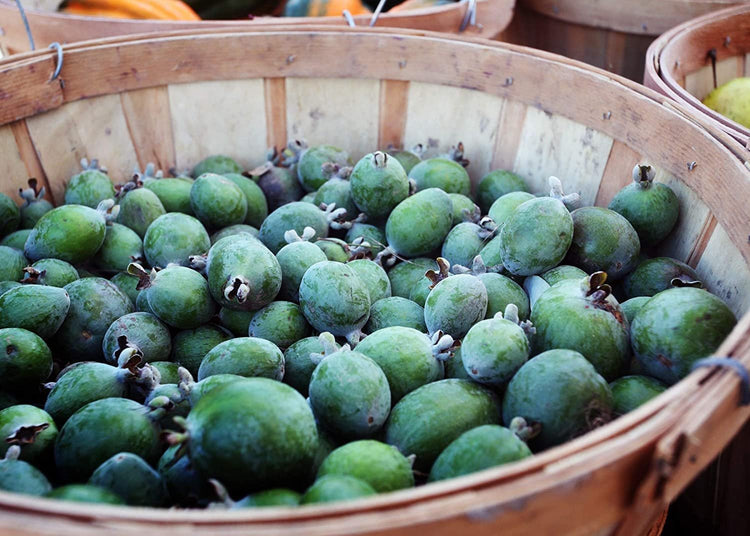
(147, 115)
(275, 99)
(394, 101)
(508, 134)
(726, 272)
(701, 82)
(30, 157)
(13, 172)
(211, 118)
(617, 172)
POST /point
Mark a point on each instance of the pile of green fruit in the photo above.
(317, 329)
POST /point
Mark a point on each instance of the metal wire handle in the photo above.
(736, 366)
(470, 18)
(26, 24)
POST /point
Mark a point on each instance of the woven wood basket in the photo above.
(610, 34)
(692, 59)
(175, 98)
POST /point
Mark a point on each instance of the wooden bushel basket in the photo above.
(492, 16)
(610, 34)
(692, 59)
(175, 98)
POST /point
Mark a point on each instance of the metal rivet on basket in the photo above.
(691, 165)
(508, 82)
(290, 58)
(402, 63)
(349, 19)
(607, 115)
(736, 366)
(727, 41)
(58, 67)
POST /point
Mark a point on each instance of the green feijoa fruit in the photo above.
(71, 233)
(336, 488)
(419, 224)
(232, 230)
(455, 304)
(479, 448)
(408, 159)
(252, 434)
(5, 286)
(218, 164)
(141, 302)
(84, 493)
(503, 206)
(333, 298)
(280, 322)
(408, 358)
(186, 487)
(131, 478)
(94, 304)
(675, 328)
(496, 184)
(395, 311)
(660, 273)
(34, 209)
(10, 215)
(374, 236)
(502, 291)
(337, 191)
(21, 477)
(29, 427)
(310, 169)
(463, 243)
(454, 366)
(51, 272)
(257, 206)
(127, 283)
(374, 277)
(492, 252)
(139, 208)
(25, 360)
(652, 208)
(242, 273)
(121, 246)
(631, 307)
(143, 331)
(237, 322)
(380, 465)
(464, 208)
(38, 308)
(562, 392)
(448, 175)
(244, 356)
(270, 497)
(12, 263)
(334, 249)
(629, 392)
(581, 315)
(167, 371)
(180, 297)
(326, 445)
(564, 271)
(604, 241)
(298, 365)
(173, 238)
(16, 239)
(189, 347)
(89, 188)
(279, 185)
(378, 184)
(294, 259)
(349, 395)
(217, 201)
(197, 390)
(173, 193)
(406, 274)
(428, 419)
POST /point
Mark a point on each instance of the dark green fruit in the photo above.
(334, 249)
(232, 230)
(5, 286)
(10, 215)
(464, 242)
(71, 233)
(198, 390)
(448, 175)
(131, 478)
(502, 291)
(180, 297)
(381, 466)
(257, 206)
(35, 206)
(143, 331)
(270, 497)
(217, 201)
(174, 194)
(281, 323)
(405, 275)
(374, 277)
(85, 493)
(218, 164)
(378, 184)
(280, 185)
(337, 191)
(310, 166)
(496, 184)
(395, 311)
(504, 206)
(139, 208)
(20, 477)
(185, 486)
(51, 272)
(167, 371)
(89, 187)
(629, 392)
(191, 346)
(408, 158)
(237, 322)
(454, 366)
(244, 356)
(38, 308)
(16, 239)
(563, 271)
(336, 488)
(374, 236)
(660, 273)
(12, 263)
(299, 365)
(127, 284)
(25, 360)
(419, 224)
(631, 307)
(464, 209)
(292, 216)
(173, 238)
(455, 304)
(29, 427)
(121, 246)
(295, 258)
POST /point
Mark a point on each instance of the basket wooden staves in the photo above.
(177, 97)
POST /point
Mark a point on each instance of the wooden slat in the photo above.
(30, 158)
(701, 82)
(442, 116)
(509, 134)
(727, 272)
(338, 112)
(554, 145)
(275, 99)
(13, 172)
(394, 100)
(150, 126)
(747, 65)
(617, 172)
(226, 118)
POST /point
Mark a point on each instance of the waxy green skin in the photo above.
(184, 485)
(25, 360)
(189, 347)
(419, 224)
(143, 330)
(23, 415)
(126, 283)
(280, 322)
(461, 203)
(10, 215)
(405, 356)
(244, 257)
(257, 206)
(173, 193)
(428, 419)
(217, 201)
(407, 159)
(455, 304)
(374, 277)
(536, 236)
(294, 260)
(334, 249)
(395, 311)
(94, 304)
(562, 272)
(167, 371)
(218, 164)
(377, 190)
(5, 286)
(561, 390)
(463, 243)
(252, 434)
(336, 488)
(236, 321)
(492, 252)
(298, 365)
(309, 166)
(504, 206)
(38, 308)
(448, 175)
(631, 307)
(502, 291)
(629, 392)
(270, 497)
(202, 388)
(244, 356)
(654, 275)
(173, 238)
(180, 297)
(496, 184)
(405, 275)
(420, 291)
(89, 188)
(565, 318)
(493, 350)
(675, 328)
(349, 395)
(139, 209)
(57, 273)
(296, 216)
(337, 191)
(12, 263)
(71, 233)
(19, 476)
(31, 212)
(652, 211)
(102, 429)
(130, 477)
(120, 247)
(16, 239)
(233, 230)
(85, 493)
(333, 298)
(280, 186)
(380, 465)
(603, 241)
(479, 448)
(375, 236)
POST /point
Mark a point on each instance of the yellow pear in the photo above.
(732, 100)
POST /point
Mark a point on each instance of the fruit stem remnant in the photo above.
(443, 272)
(571, 201)
(26, 435)
(523, 430)
(443, 346)
(291, 235)
(643, 175)
(31, 194)
(238, 288)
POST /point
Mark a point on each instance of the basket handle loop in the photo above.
(26, 24)
(470, 17)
